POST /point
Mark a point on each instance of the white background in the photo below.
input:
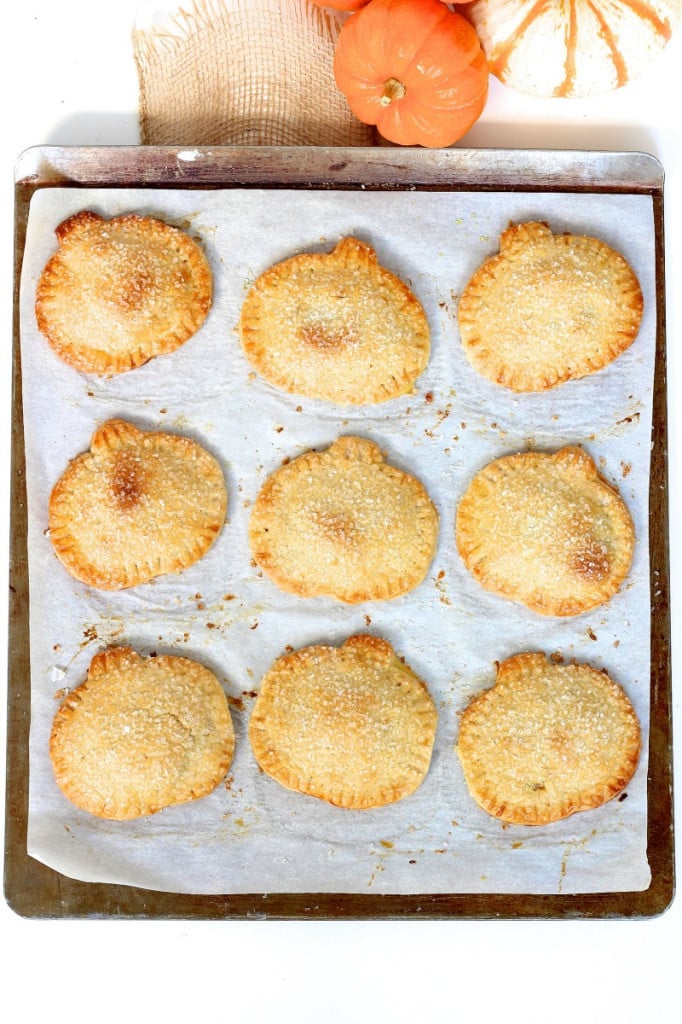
(68, 77)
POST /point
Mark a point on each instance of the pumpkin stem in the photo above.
(393, 90)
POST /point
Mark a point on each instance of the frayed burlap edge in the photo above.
(243, 72)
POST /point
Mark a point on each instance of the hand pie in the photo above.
(118, 292)
(547, 531)
(141, 734)
(345, 524)
(352, 725)
(548, 308)
(547, 740)
(136, 506)
(335, 326)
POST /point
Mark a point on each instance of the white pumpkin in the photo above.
(571, 47)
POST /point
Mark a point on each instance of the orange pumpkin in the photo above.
(571, 47)
(413, 68)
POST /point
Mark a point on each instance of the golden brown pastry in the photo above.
(137, 505)
(546, 530)
(547, 740)
(345, 524)
(548, 308)
(352, 725)
(335, 326)
(141, 734)
(118, 292)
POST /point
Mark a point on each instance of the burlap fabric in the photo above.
(242, 72)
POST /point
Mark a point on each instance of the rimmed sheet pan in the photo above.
(36, 890)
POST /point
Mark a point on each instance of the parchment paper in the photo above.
(252, 835)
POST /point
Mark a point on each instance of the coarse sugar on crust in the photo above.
(352, 725)
(547, 741)
(548, 308)
(118, 292)
(345, 524)
(141, 734)
(138, 505)
(546, 530)
(335, 326)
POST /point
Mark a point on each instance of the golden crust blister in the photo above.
(547, 740)
(335, 326)
(351, 725)
(141, 734)
(547, 531)
(138, 505)
(118, 292)
(548, 308)
(344, 524)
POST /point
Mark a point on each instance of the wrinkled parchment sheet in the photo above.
(251, 835)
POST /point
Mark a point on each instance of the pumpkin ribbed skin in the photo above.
(414, 69)
(571, 47)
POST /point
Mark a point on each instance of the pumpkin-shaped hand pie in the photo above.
(548, 308)
(136, 506)
(141, 734)
(574, 48)
(547, 741)
(345, 524)
(414, 69)
(546, 530)
(352, 725)
(335, 326)
(118, 292)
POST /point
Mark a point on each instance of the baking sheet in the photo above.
(251, 834)
(475, 854)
